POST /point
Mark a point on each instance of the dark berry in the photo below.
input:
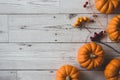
(97, 36)
(101, 33)
(92, 21)
(104, 31)
(92, 39)
(86, 3)
(84, 6)
(95, 33)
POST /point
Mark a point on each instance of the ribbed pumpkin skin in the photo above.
(106, 6)
(112, 70)
(90, 55)
(113, 29)
(67, 70)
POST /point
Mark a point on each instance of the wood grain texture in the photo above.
(30, 56)
(43, 6)
(67, 6)
(50, 50)
(7, 75)
(44, 75)
(29, 6)
(37, 37)
(52, 21)
(52, 28)
(3, 28)
(32, 64)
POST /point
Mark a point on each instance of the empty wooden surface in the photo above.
(37, 37)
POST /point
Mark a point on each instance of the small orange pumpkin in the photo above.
(113, 29)
(112, 70)
(67, 72)
(106, 6)
(90, 55)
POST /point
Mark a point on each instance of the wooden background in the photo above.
(36, 38)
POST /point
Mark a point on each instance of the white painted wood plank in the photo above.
(29, 6)
(45, 75)
(44, 6)
(42, 63)
(52, 21)
(7, 75)
(3, 28)
(76, 6)
(50, 28)
(72, 35)
(40, 55)
(35, 75)
(48, 50)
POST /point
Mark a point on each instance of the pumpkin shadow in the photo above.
(105, 63)
(110, 54)
(92, 75)
(95, 73)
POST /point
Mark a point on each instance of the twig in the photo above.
(96, 14)
(109, 46)
(88, 29)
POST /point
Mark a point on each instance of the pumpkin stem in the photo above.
(92, 56)
(68, 78)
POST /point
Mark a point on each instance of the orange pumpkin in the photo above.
(113, 29)
(67, 72)
(106, 6)
(112, 70)
(90, 55)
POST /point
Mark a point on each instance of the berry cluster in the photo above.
(98, 36)
(85, 5)
(80, 21)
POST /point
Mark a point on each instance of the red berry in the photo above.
(92, 21)
(92, 39)
(101, 33)
(104, 31)
(84, 6)
(86, 3)
(95, 33)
